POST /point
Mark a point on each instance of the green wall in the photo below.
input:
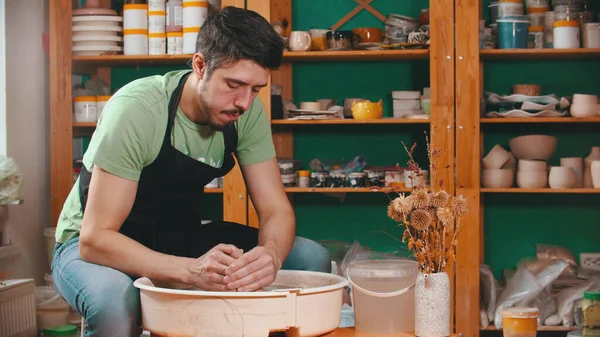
(513, 223)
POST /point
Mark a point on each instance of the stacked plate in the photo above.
(97, 34)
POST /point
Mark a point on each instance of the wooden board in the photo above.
(468, 141)
(61, 108)
(540, 54)
(441, 65)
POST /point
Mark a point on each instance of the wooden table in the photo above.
(344, 332)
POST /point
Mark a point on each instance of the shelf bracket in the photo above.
(362, 4)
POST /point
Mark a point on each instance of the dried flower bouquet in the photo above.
(429, 215)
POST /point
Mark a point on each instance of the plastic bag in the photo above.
(11, 181)
(566, 297)
(524, 287)
(490, 289)
(550, 252)
(536, 265)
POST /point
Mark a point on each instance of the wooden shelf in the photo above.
(342, 190)
(539, 54)
(357, 55)
(540, 328)
(351, 332)
(541, 190)
(84, 124)
(540, 120)
(350, 55)
(349, 121)
(213, 190)
(10, 250)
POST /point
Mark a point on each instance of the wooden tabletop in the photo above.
(345, 332)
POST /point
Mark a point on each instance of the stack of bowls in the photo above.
(397, 28)
(498, 168)
(97, 34)
(532, 173)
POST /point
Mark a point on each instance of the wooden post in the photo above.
(442, 101)
(468, 90)
(61, 127)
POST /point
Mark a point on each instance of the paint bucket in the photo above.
(513, 31)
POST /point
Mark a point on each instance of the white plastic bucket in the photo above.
(383, 295)
(51, 309)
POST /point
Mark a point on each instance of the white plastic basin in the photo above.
(301, 303)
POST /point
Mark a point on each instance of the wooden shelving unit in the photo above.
(541, 328)
(471, 130)
(539, 120)
(344, 190)
(542, 190)
(539, 54)
(349, 121)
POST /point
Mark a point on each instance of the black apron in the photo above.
(166, 214)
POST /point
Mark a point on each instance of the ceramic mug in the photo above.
(319, 39)
(341, 39)
(300, 41)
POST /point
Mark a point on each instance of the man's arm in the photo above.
(110, 200)
(259, 267)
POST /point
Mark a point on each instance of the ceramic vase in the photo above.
(432, 305)
(587, 174)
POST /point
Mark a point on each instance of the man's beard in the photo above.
(205, 108)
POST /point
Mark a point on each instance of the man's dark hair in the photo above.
(232, 34)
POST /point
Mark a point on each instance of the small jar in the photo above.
(175, 43)
(520, 322)
(566, 13)
(376, 178)
(319, 179)
(566, 34)
(548, 27)
(510, 8)
(84, 109)
(536, 37)
(357, 180)
(288, 180)
(590, 34)
(591, 313)
(337, 179)
(536, 19)
(303, 178)
(175, 16)
(100, 103)
(286, 168)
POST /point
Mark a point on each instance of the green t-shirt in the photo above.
(131, 130)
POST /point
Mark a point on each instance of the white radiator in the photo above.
(17, 308)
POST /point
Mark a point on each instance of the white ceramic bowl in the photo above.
(585, 99)
(581, 110)
(535, 147)
(561, 177)
(532, 179)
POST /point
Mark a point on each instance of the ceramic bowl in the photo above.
(497, 178)
(534, 147)
(561, 177)
(585, 99)
(496, 158)
(581, 110)
(511, 163)
(532, 165)
(532, 179)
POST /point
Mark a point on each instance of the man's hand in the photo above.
(207, 272)
(254, 270)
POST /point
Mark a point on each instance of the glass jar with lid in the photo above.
(357, 179)
(566, 13)
(591, 313)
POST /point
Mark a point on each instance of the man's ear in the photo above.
(199, 65)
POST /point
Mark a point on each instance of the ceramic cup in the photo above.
(340, 39)
(319, 39)
(300, 41)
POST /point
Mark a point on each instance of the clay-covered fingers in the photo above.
(252, 271)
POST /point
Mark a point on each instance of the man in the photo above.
(136, 207)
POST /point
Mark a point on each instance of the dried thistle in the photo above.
(420, 219)
(393, 211)
(459, 205)
(421, 199)
(439, 199)
(445, 215)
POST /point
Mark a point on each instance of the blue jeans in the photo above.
(109, 302)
